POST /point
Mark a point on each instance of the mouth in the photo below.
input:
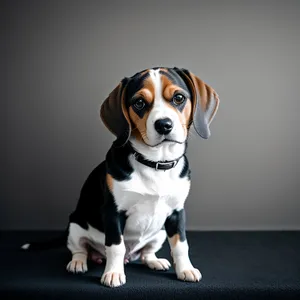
(164, 141)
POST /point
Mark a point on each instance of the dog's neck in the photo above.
(166, 151)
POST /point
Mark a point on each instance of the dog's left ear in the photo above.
(205, 102)
(114, 114)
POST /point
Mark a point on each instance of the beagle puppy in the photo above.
(134, 200)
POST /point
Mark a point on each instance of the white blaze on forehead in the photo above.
(156, 79)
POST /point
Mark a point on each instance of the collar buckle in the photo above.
(174, 163)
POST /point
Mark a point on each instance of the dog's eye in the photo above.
(178, 99)
(139, 104)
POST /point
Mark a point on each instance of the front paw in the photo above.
(191, 274)
(77, 266)
(160, 264)
(113, 279)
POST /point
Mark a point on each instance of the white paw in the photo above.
(77, 266)
(158, 264)
(193, 275)
(113, 279)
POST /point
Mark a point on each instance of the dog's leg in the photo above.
(115, 250)
(114, 275)
(175, 227)
(148, 253)
(95, 256)
(78, 264)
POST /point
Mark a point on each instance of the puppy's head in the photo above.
(158, 106)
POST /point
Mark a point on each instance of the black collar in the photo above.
(157, 165)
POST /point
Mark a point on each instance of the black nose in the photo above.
(163, 126)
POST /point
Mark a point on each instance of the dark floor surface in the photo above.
(234, 265)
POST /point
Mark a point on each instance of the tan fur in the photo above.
(124, 109)
(113, 108)
(169, 91)
(206, 94)
(167, 84)
(186, 114)
(109, 181)
(149, 87)
(139, 125)
(146, 94)
(113, 96)
(174, 240)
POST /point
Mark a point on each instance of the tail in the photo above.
(47, 244)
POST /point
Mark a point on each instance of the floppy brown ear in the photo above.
(205, 102)
(114, 114)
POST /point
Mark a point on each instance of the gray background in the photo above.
(61, 59)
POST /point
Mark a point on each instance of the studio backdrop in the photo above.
(61, 59)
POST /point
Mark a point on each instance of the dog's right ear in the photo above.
(114, 114)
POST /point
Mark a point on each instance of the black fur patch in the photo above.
(135, 83)
(91, 200)
(175, 224)
(114, 221)
(117, 162)
(176, 79)
(183, 74)
(185, 172)
(95, 199)
(142, 112)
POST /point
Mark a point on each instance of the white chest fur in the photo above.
(148, 198)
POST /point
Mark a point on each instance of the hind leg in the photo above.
(78, 247)
(95, 256)
(148, 253)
